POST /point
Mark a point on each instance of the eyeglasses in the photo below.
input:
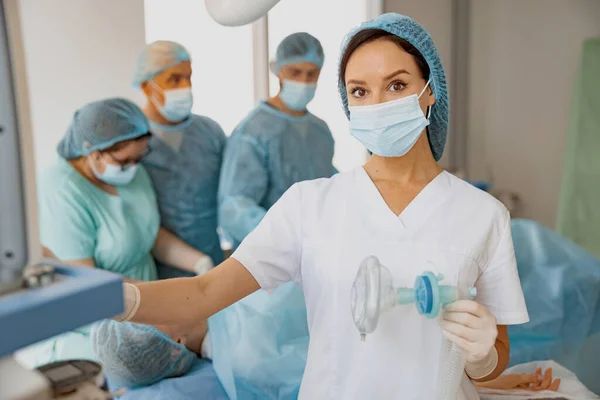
(124, 164)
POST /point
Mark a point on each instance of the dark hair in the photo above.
(370, 35)
(119, 145)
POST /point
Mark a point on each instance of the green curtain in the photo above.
(579, 207)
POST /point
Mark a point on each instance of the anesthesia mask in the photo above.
(373, 294)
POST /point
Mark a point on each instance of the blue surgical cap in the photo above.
(406, 28)
(298, 48)
(100, 125)
(156, 58)
(135, 355)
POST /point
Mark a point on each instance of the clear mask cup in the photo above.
(373, 294)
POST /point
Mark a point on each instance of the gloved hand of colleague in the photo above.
(203, 265)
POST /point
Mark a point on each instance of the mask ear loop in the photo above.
(421, 94)
(159, 89)
(423, 91)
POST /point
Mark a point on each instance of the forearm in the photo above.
(170, 301)
(502, 357)
(183, 300)
(171, 250)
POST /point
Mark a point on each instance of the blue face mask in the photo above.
(114, 174)
(297, 95)
(178, 103)
(389, 129)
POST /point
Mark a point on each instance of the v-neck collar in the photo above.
(417, 210)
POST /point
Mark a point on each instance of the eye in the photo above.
(397, 86)
(358, 93)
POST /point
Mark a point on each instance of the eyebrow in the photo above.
(399, 72)
(390, 76)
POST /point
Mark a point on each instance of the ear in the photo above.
(430, 97)
(146, 88)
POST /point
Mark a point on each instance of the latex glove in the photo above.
(203, 265)
(471, 327)
(131, 302)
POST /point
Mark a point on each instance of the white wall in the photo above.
(524, 57)
(76, 52)
(436, 17)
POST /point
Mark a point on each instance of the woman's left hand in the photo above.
(471, 327)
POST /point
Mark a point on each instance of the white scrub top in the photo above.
(319, 233)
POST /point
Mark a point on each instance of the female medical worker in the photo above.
(98, 208)
(187, 149)
(278, 144)
(401, 207)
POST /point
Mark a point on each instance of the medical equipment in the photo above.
(389, 129)
(238, 12)
(177, 104)
(115, 174)
(48, 298)
(68, 376)
(297, 95)
(373, 294)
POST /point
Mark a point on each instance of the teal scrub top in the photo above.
(78, 221)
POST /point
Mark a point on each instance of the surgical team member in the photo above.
(401, 207)
(98, 208)
(187, 150)
(278, 144)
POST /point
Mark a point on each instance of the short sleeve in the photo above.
(66, 227)
(499, 287)
(272, 251)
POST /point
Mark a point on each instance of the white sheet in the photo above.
(570, 387)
